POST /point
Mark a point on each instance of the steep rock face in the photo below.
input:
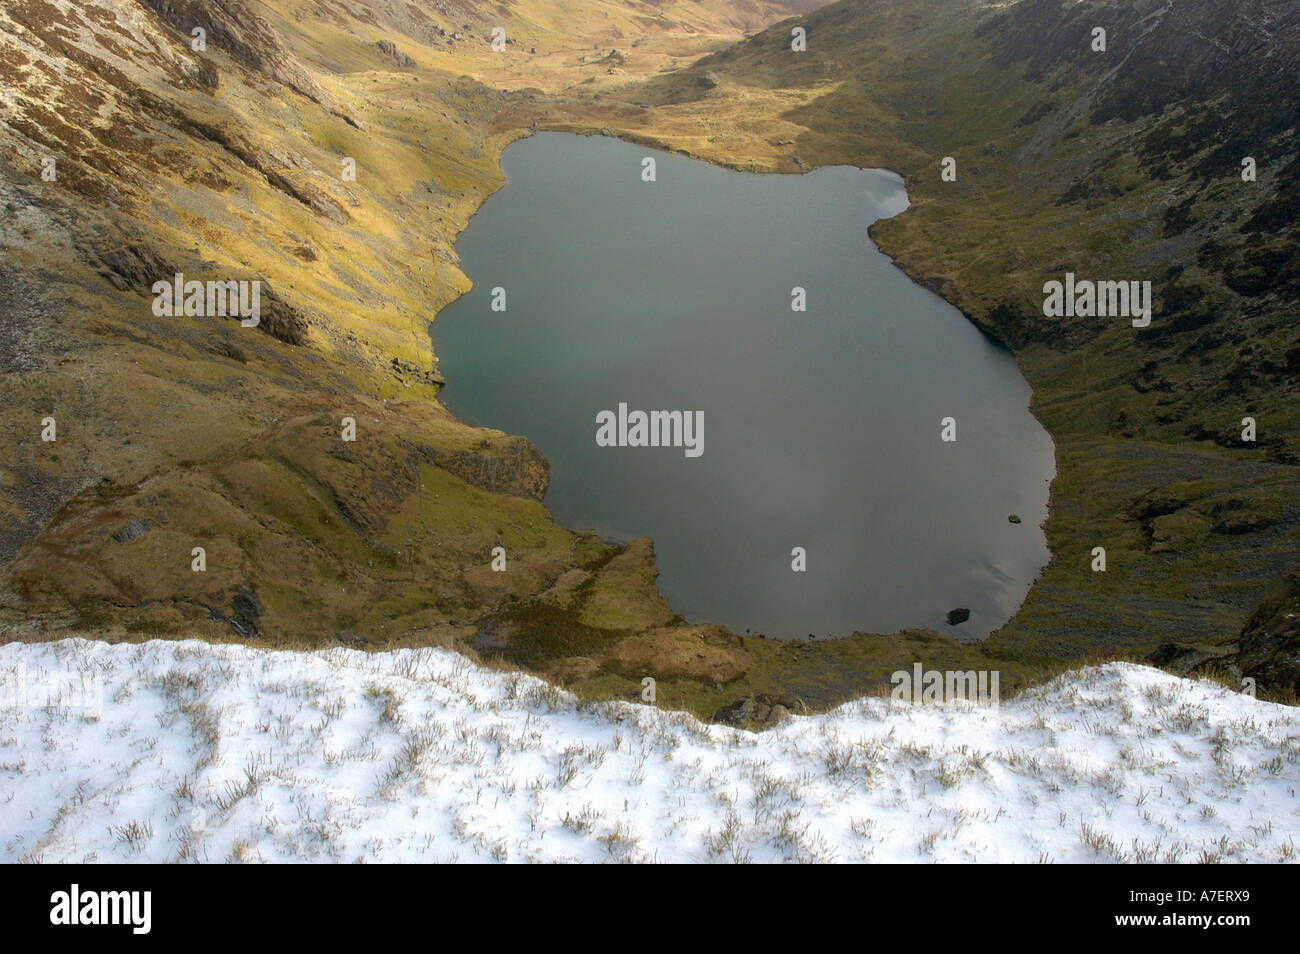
(1211, 84)
(510, 465)
(389, 49)
(1269, 648)
(1162, 54)
(233, 27)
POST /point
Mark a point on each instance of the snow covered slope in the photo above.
(209, 753)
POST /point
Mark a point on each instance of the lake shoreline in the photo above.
(838, 632)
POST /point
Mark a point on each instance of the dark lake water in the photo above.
(821, 428)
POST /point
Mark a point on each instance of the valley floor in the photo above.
(199, 752)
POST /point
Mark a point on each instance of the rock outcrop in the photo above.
(1268, 650)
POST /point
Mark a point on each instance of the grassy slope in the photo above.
(206, 432)
(219, 436)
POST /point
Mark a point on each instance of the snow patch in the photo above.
(221, 752)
